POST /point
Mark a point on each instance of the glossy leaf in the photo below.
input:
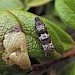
(66, 11)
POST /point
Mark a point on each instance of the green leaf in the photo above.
(10, 4)
(69, 70)
(66, 11)
(34, 3)
(61, 33)
(9, 19)
(67, 41)
(68, 46)
(56, 20)
(28, 24)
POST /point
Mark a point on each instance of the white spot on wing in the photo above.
(44, 36)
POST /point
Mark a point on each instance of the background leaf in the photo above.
(69, 69)
(10, 4)
(34, 3)
(56, 20)
(66, 11)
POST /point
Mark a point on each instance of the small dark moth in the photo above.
(43, 36)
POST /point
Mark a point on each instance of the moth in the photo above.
(43, 36)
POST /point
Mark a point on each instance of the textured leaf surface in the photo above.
(26, 20)
(28, 23)
(66, 11)
(9, 19)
